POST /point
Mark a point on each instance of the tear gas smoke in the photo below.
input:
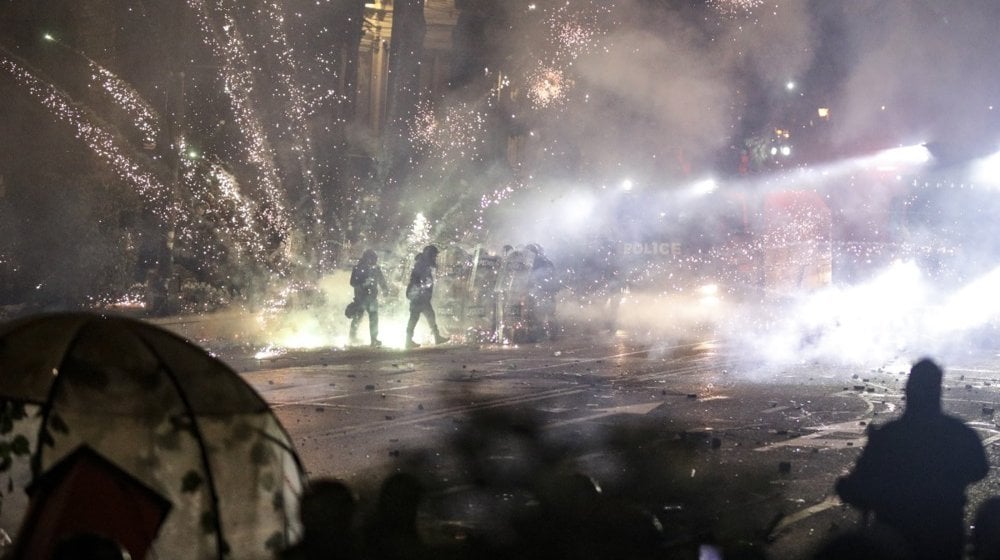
(590, 94)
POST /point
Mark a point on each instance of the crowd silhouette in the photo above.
(909, 485)
(327, 510)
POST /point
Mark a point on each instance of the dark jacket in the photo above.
(544, 283)
(367, 278)
(912, 475)
(421, 285)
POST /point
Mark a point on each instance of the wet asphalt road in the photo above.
(716, 448)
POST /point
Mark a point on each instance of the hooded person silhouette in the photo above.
(419, 291)
(913, 472)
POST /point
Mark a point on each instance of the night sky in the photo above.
(234, 138)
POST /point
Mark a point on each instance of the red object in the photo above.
(86, 493)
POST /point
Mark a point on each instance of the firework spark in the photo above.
(571, 31)
(548, 87)
(735, 8)
(496, 197)
(142, 113)
(215, 192)
(455, 132)
(296, 107)
(100, 141)
(143, 116)
(208, 195)
(237, 74)
(575, 32)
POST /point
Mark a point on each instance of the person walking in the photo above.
(542, 289)
(914, 470)
(366, 279)
(419, 291)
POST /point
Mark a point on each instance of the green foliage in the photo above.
(268, 481)
(261, 453)
(169, 441)
(210, 526)
(276, 542)
(191, 482)
(10, 413)
(20, 446)
(58, 424)
(12, 445)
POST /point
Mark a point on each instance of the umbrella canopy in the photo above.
(96, 350)
(168, 413)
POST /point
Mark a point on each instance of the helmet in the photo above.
(431, 250)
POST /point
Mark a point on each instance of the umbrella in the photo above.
(165, 411)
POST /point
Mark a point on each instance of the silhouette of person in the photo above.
(862, 545)
(542, 289)
(613, 283)
(419, 291)
(913, 472)
(326, 511)
(392, 532)
(366, 279)
(986, 531)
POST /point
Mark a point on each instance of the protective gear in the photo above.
(419, 291)
(366, 278)
(542, 291)
(354, 309)
(420, 288)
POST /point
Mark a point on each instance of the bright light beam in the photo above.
(894, 158)
(704, 187)
(987, 170)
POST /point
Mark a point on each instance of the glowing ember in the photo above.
(270, 352)
(575, 29)
(143, 115)
(222, 34)
(735, 8)
(548, 87)
(100, 141)
(453, 134)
